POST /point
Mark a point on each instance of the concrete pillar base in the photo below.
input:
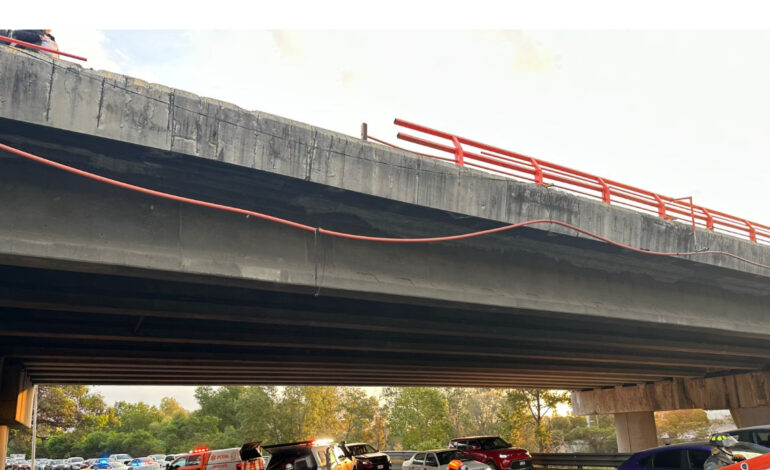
(3, 445)
(635, 431)
(756, 416)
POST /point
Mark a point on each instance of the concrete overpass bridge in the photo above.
(104, 285)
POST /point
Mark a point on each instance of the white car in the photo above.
(145, 463)
(439, 460)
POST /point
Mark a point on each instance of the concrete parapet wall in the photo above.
(58, 94)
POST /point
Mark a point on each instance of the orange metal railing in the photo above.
(467, 152)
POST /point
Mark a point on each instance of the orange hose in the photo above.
(351, 236)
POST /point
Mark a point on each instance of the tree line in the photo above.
(75, 421)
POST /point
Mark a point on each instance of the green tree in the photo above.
(59, 445)
(575, 434)
(538, 403)
(681, 425)
(141, 443)
(357, 416)
(256, 414)
(169, 407)
(136, 416)
(221, 402)
(68, 408)
(474, 411)
(418, 417)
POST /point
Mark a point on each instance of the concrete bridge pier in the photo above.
(753, 416)
(635, 431)
(16, 395)
(746, 395)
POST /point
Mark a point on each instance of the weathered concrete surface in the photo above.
(536, 307)
(635, 431)
(750, 390)
(65, 96)
(756, 416)
(15, 395)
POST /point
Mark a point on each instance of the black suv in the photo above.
(367, 457)
(308, 455)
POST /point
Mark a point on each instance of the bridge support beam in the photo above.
(753, 416)
(635, 431)
(16, 395)
(748, 391)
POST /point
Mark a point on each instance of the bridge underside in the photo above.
(99, 285)
(103, 329)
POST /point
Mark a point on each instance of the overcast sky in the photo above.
(680, 113)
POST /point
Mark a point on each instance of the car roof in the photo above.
(438, 450)
(682, 445)
(752, 428)
(474, 437)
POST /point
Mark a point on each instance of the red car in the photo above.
(493, 451)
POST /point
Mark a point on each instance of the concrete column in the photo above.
(15, 395)
(636, 431)
(3, 445)
(751, 416)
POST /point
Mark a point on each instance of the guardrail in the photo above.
(578, 460)
(554, 461)
(467, 152)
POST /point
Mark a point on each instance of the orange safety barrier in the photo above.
(467, 152)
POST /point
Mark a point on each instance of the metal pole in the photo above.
(34, 426)
(364, 131)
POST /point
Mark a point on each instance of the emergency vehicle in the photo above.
(203, 459)
(761, 462)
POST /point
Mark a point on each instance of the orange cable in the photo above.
(333, 233)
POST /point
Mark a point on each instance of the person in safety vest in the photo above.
(456, 464)
(40, 37)
(721, 454)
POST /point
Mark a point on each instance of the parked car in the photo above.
(158, 458)
(439, 460)
(123, 458)
(88, 463)
(366, 457)
(107, 464)
(319, 454)
(170, 458)
(202, 458)
(494, 452)
(756, 434)
(75, 462)
(56, 464)
(144, 463)
(684, 456)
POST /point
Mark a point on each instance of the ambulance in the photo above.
(202, 458)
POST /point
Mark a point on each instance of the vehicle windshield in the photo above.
(362, 449)
(76, 459)
(298, 456)
(57, 462)
(122, 457)
(493, 443)
(446, 456)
